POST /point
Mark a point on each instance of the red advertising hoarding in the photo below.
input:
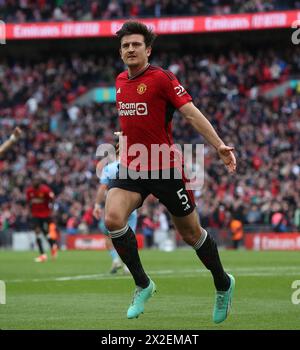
(272, 241)
(93, 242)
(175, 25)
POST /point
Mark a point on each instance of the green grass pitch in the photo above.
(77, 292)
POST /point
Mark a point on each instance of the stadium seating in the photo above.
(66, 10)
(61, 138)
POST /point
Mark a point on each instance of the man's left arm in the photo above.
(50, 194)
(193, 115)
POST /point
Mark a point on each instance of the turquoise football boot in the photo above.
(139, 298)
(223, 302)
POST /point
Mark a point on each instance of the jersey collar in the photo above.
(138, 73)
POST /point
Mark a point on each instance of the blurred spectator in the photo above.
(67, 10)
(279, 223)
(297, 218)
(164, 238)
(148, 227)
(6, 218)
(254, 215)
(72, 225)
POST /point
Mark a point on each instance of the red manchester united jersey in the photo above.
(145, 105)
(40, 199)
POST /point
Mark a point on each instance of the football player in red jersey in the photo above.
(146, 98)
(40, 198)
(14, 137)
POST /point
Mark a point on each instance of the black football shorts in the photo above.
(171, 191)
(41, 223)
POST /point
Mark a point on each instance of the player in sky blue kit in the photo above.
(109, 172)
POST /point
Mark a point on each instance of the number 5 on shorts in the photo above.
(184, 198)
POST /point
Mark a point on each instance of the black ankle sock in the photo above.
(208, 254)
(127, 248)
(40, 245)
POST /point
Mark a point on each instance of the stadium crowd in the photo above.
(67, 10)
(60, 137)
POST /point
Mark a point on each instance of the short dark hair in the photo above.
(133, 27)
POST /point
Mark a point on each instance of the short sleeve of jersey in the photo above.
(47, 190)
(109, 173)
(176, 93)
(105, 176)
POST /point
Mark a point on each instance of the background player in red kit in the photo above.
(146, 99)
(40, 198)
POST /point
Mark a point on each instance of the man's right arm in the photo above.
(14, 137)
